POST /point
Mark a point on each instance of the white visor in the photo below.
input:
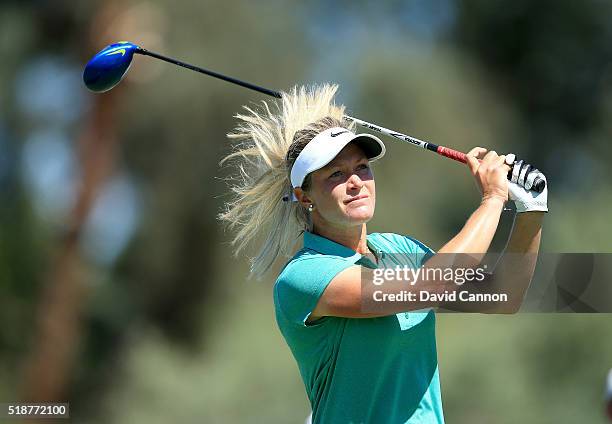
(325, 147)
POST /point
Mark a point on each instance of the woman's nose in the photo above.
(355, 182)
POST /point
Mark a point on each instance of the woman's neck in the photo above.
(352, 237)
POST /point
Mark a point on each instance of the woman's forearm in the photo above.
(526, 233)
(514, 271)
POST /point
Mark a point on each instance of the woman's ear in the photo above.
(302, 197)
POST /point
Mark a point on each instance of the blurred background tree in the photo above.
(164, 324)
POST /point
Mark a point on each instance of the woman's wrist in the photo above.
(493, 200)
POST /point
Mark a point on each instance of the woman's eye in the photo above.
(363, 166)
(336, 174)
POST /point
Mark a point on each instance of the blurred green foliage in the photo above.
(171, 328)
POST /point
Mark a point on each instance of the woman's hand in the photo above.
(490, 172)
(519, 187)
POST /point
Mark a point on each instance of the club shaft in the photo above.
(278, 95)
(244, 84)
(441, 150)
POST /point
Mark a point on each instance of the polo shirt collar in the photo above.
(329, 247)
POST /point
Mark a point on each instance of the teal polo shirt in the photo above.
(359, 370)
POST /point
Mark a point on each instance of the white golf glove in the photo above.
(519, 187)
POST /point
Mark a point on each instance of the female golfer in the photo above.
(304, 172)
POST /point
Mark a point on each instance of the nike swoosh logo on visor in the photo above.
(338, 133)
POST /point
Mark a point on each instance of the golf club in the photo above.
(107, 68)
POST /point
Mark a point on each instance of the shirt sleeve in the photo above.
(407, 250)
(424, 252)
(301, 284)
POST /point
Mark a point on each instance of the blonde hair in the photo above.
(270, 139)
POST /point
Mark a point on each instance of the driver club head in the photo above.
(108, 67)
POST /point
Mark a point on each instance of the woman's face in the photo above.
(343, 192)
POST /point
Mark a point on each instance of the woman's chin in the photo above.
(361, 214)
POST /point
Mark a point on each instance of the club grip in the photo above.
(538, 185)
(452, 154)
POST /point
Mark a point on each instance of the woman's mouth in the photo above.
(352, 199)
